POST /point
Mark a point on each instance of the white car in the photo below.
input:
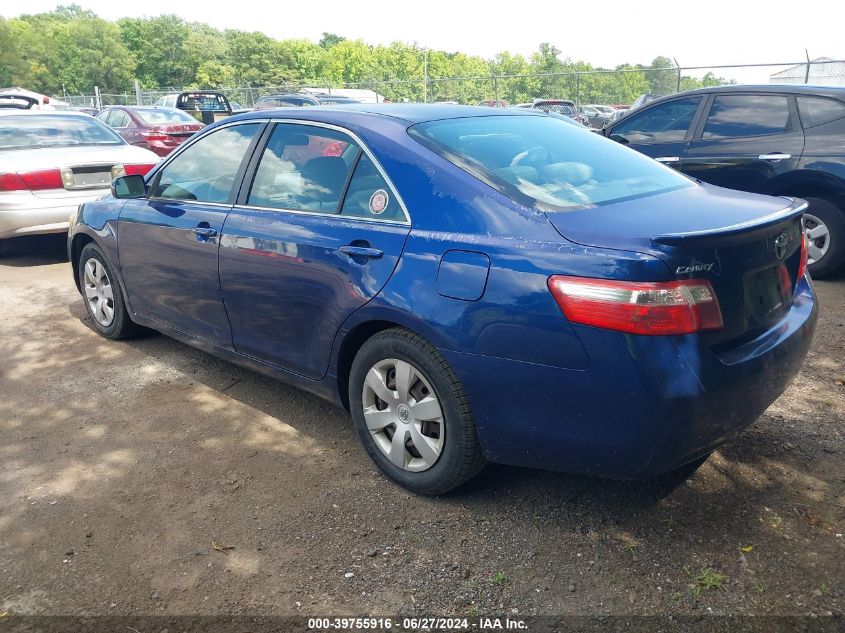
(51, 162)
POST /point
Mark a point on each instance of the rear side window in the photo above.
(545, 163)
(664, 123)
(369, 196)
(206, 170)
(119, 119)
(303, 168)
(747, 115)
(817, 111)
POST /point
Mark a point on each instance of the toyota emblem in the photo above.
(781, 245)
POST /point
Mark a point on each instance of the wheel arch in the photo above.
(362, 326)
(79, 241)
(812, 184)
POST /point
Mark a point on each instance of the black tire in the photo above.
(834, 219)
(461, 457)
(121, 325)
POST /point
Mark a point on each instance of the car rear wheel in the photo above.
(412, 415)
(824, 225)
(103, 296)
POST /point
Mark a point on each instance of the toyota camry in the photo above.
(472, 284)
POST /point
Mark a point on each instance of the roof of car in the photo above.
(408, 112)
(32, 112)
(808, 89)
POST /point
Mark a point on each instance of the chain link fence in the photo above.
(606, 87)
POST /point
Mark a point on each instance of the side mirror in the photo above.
(127, 187)
(619, 139)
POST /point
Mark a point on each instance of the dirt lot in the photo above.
(123, 465)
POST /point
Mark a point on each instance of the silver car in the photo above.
(51, 162)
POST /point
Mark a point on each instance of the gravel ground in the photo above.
(145, 477)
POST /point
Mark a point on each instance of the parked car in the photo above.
(561, 106)
(494, 103)
(778, 140)
(597, 115)
(160, 130)
(205, 106)
(291, 100)
(473, 284)
(50, 162)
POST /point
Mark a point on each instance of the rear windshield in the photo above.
(198, 101)
(163, 117)
(544, 163)
(44, 130)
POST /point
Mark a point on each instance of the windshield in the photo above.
(164, 116)
(44, 130)
(544, 163)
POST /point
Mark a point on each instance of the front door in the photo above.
(168, 242)
(317, 235)
(746, 141)
(661, 131)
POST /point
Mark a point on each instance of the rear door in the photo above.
(314, 236)
(663, 130)
(745, 141)
(168, 242)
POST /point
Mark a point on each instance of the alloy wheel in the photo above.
(403, 415)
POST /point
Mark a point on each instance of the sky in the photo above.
(601, 32)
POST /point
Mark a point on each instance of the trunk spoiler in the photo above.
(742, 230)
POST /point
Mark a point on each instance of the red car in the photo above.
(158, 129)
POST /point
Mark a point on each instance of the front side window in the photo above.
(747, 115)
(817, 111)
(544, 163)
(205, 171)
(303, 168)
(664, 123)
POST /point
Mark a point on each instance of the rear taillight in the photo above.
(31, 180)
(138, 170)
(334, 149)
(802, 263)
(130, 170)
(652, 308)
(154, 136)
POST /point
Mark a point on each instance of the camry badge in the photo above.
(693, 268)
(781, 245)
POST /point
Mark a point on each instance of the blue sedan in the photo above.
(473, 284)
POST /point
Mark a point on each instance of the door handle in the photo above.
(668, 159)
(361, 251)
(204, 232)
(774, 156)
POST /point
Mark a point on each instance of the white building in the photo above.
(824, 71)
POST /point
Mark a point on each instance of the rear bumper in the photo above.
(645, 405)
(22, 213)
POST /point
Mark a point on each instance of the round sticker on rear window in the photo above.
(378, 202)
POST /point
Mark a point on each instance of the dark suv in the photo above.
(777, 140)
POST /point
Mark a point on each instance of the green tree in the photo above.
(161, 46)
(330, 39)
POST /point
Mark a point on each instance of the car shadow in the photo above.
(34, 250)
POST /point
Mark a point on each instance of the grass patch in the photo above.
(708, 579)
(499, 578)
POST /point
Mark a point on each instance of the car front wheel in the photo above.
(412, 415)
(103, 296)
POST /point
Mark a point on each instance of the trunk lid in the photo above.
(747, 246)
(178, 131)
(90, 165)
